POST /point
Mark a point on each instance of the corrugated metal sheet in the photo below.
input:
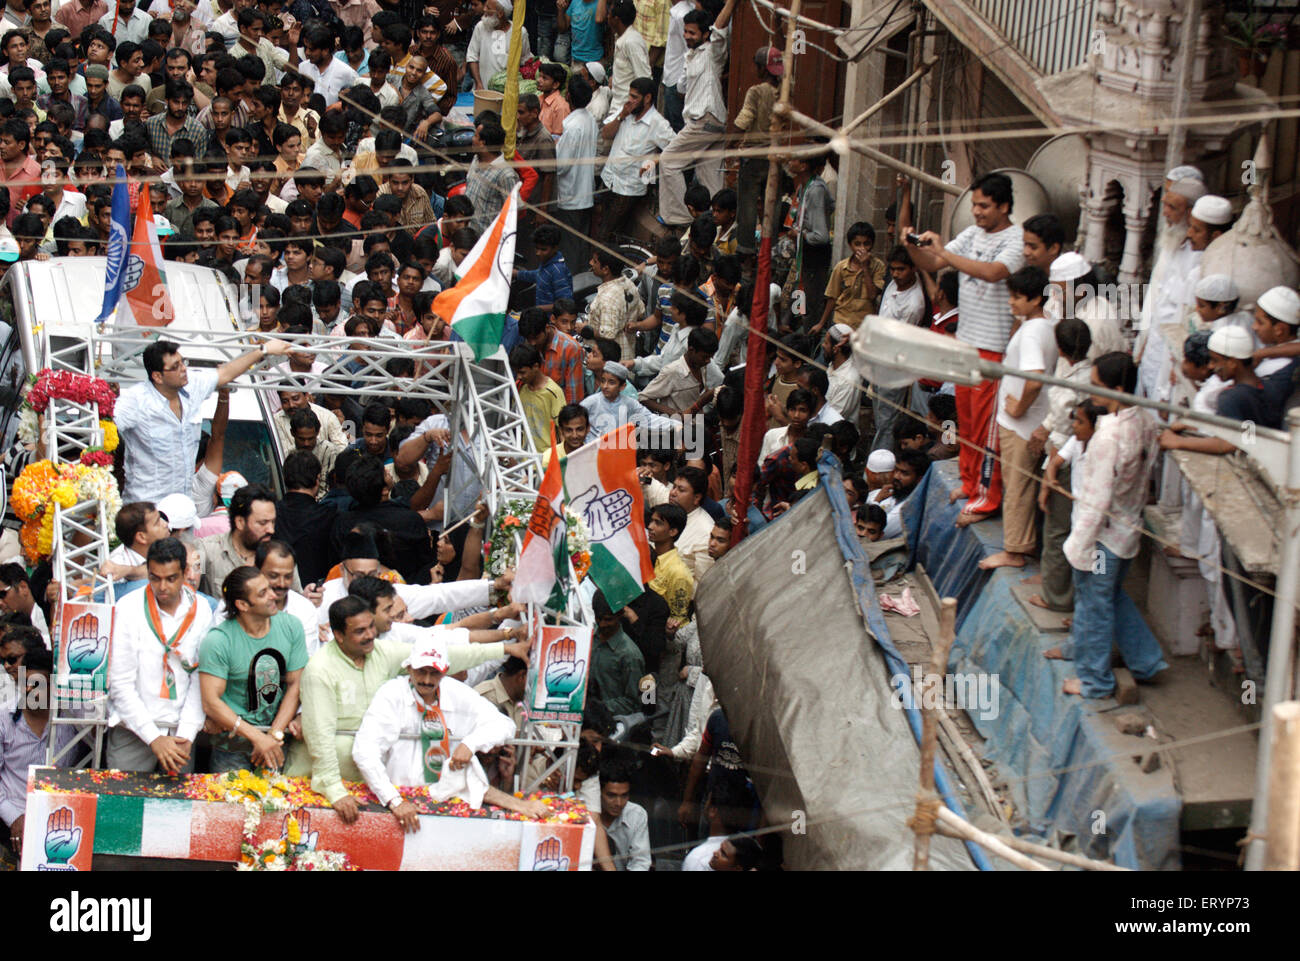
(1051, 34)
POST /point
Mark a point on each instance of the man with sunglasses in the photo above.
(160, 421)
(16, 596)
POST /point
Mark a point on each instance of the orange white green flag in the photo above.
(150, 304)
(601, 486)
(543, 561)
(476, 306)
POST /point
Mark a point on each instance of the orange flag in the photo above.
(150, 303)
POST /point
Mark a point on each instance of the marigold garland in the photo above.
(41, 485)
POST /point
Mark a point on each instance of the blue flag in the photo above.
(118, 236)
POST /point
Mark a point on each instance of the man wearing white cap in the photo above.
(1075, 283)
(594, 73)
(1217, 297)
(424, 730)
(609, 408)
(490, 43)
(1166, 294)
(844, 393)
(1232, 353)
(1276, 324)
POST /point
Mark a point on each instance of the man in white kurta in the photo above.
(156, 707)
(425, 729)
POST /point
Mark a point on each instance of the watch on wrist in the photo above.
(395, 803)
(278, 735)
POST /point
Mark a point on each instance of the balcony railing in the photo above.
(1053, 35)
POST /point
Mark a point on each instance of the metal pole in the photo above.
(1284, 790)
(1278, 681)
(1183, 89)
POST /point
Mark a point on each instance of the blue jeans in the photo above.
(563, 40)
(674, 103)
(223, 761)
(1098, 624)
(545, 35)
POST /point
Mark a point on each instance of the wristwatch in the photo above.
(395, 803)
(278, 735)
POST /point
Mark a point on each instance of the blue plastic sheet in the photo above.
(1070, 770)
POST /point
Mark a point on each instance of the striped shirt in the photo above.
(985, 311)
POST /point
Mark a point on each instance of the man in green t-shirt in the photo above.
(249, 668)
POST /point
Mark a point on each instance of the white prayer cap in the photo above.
(179, 511)
(1233, 341)
(1217, 288)
(428, 652)
(1068, 266)
(1212, 209)
(1191, 189)
(507, 6)
(840, 332)
(597, 72)
(880, 461)
(617, 369)
(1281, 303)
(1185, 172)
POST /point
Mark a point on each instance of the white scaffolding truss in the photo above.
(80, 547)
(480, 401)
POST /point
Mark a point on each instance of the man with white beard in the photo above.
(1168, 290)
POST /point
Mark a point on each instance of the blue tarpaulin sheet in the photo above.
(1070, 771)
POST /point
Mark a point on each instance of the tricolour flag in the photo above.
(601, 484)
(115, 278)
(476, 306)
(150, 304)
(543, 562)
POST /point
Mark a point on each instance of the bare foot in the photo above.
(966, 518)
(1032, 579)
(1037, 601)
(1072, 686)
(1002, 559)
(955, 496)
(1054, 654)
(1068, 623)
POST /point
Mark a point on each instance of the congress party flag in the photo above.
(115, 278)
(150, 303)
(543, 562)
(476, 305)
(601, 484)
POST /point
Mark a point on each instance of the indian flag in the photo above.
(543, 561)
(476, 305)
(600, 483)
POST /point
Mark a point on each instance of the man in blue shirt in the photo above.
(552, 276)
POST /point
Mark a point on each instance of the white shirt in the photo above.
(575, 181)
(905, 305)
(828, 415)
(421, 599)
(489, 48)
(126, 556)
(134, 28)
(985, 312)
(773, 441)
(161, 450)
(631, 60)
(693, 542)
(1032, 347)
(320, 157)
(37, 617)
(136, 668)
(336, 76)
(304, 611)
(387, 760)
(698, 857)
(843, 393)
(675, 44)
(637, 137)
(703, 79)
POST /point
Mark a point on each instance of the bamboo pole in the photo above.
(1063, 857)
(932, 687)
(755, 417)
(954, 826)
(1283, 841)
(948, 727)
(884, 101)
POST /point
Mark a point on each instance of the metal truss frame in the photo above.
(480, 400)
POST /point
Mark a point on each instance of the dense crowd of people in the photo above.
(326, 627)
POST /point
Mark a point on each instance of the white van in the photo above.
(64, 294)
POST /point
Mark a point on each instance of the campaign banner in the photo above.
(59, 831)
(556, 847)
(83, 645)
(557, 677)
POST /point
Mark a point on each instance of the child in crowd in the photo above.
(855, 284)
(541, 398)
(723, 208)
(552, 277)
